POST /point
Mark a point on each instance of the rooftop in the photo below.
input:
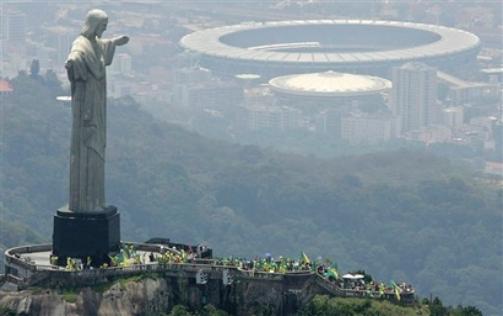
(247, 76)
(417, 66)
(448, 41)
(492, 71)
(329, 83)
(5, 86)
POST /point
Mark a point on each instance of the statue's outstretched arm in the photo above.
(120, 40)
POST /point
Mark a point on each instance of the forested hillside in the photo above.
(399, 215)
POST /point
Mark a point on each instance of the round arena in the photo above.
(361, 46)
(314, 92)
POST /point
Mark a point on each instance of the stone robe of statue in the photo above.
(85, 66)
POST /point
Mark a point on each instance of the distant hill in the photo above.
(399, 215)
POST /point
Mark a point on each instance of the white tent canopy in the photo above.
(352, 276)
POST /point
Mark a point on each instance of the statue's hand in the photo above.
(121, 40)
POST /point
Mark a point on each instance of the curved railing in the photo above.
(333, 289)
(36, 273)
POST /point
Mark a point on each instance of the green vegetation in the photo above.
(324, 306)
(69, 296)
(103, 287)
(5, 311)
(123, 281)
(13, 232)
(401, 215)
(437, 309)
(208, 310)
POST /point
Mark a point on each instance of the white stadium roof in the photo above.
(450, 41)
(329, 84)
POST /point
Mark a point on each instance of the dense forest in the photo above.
(322, 305)
(401, 215)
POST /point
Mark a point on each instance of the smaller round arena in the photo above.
(329, 90)
(329, 84)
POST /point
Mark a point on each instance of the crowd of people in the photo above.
(358, 282)
(364, 285)
(268, 264)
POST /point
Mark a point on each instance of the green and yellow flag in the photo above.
(397, 290)
(381, 289)
(332, 272)
(304, 259)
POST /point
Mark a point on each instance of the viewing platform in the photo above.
(29, 266)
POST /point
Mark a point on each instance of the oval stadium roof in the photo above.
(449, 41)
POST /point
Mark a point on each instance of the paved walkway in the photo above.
(42, 258)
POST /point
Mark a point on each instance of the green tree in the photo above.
(437, 308)
(179, 310)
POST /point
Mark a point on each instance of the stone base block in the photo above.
(83, 235)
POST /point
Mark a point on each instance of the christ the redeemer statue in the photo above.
(89, 56)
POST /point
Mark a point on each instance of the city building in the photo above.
(365, 128)
(497, 130)
(122, 65)
(59, 40)
(5, 87)
(329, 122)
(461, 91)
(453, 116)
(414, 96)
(431, 134)
(184, 79)
(214, 95)
(262, 117)
(493, 75)
(248, 81)
(195, 88)
(191, 75)
(15, 26)
(120, 88)
(2, 23)
(491, 131)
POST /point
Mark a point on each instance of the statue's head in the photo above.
(96, 23)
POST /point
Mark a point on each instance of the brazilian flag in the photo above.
(304, 259)
(332, 272)
(397, 290)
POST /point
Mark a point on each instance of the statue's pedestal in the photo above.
(83, 235)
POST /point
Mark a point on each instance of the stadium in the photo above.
(329, 84)
(314, 92)
(357, 46)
